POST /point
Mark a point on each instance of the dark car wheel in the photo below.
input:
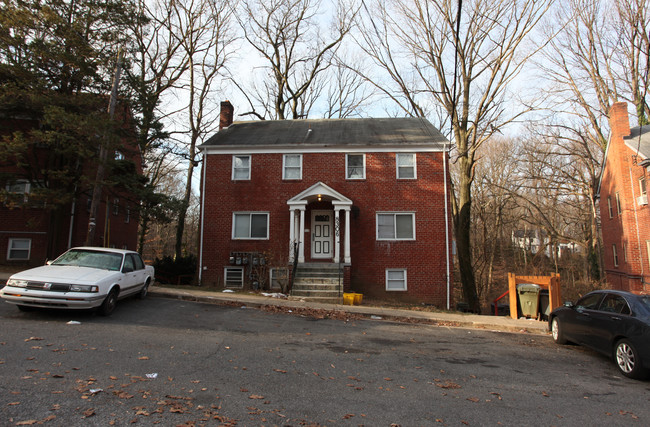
(556, 331)
(628, 360)
(109, 304)
(145, 289)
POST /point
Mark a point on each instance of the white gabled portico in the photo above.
(297, 207)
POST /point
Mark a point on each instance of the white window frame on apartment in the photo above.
(391, 280)
(249, 235)
(348, 175)
(116, 207)
(395, 235)
(642, 200)
(615, 255)
(273, 280)
(287, 168)
(20, 186)
(237, 170)
(609, 207)
(618, 203)
(402, 168)
(642, 186)
(233, 277)
(11, 247)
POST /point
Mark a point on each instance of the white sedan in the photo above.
(81, 278)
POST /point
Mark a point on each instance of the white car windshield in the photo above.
(89, 258)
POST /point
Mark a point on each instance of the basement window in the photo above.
(395, 279)
(233, 277)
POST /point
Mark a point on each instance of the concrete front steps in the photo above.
(321, 282)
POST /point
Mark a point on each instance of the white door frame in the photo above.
(321, 235)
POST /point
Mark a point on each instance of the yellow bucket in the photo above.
(348, 299)
(357, 299)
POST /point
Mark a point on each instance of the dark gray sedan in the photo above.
(615, 323)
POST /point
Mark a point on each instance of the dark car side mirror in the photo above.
(568, 304)
(127, 270)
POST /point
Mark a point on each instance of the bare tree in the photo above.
(487, 38)
(347, 92)
(157, 62)
(495, 212)
(599, 55)
(287, 35)
(207, 43)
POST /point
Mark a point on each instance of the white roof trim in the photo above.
(327, 192)
(303, 149)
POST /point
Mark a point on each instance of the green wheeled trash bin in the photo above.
(528, 296)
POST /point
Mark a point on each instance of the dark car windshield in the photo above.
(89, 258)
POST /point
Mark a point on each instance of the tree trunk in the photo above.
(182, 214)
(463, 245)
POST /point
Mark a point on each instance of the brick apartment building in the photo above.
(31, 232)
(625, 215)
(361, 201)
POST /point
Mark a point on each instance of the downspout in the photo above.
(636, 222)
(444, 166)
(205, 159)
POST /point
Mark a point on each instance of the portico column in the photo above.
(346, 251)
(292, 232)
(301, 236)
(337, 235)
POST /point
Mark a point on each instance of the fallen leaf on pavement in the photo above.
(88, 412)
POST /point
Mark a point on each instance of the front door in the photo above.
(321, 234)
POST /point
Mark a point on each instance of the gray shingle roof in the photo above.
(641, 144)
(329, 133)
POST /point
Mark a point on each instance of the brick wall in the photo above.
(628, 230)
(424, 258)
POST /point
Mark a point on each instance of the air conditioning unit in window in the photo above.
(642, 200)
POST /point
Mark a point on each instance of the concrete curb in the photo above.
(493, 323)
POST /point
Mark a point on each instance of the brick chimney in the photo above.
(227, 110)
(619, 121)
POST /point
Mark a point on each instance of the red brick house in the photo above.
(362, 202)
(624, 211)
(31, 232)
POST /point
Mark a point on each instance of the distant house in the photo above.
(535, 240)
(354, 204)
(32, 232)
(625, 216)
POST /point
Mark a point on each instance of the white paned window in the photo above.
(241, 168)
(395, 279)
(233, 277)
(396, 226)
(406, 166)
(609, 207)
(615, 255)
(618, 203)
(642, 187)
(250, 225)
(355, 166)
(19, 190)
(292, 166)
(19, 249)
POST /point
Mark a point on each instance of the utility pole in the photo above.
(103, 153)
